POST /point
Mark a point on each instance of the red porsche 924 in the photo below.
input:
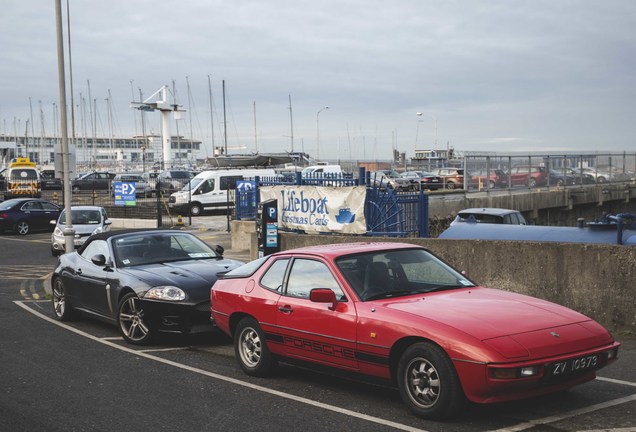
(397, 312)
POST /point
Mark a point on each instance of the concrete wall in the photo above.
(596, 280)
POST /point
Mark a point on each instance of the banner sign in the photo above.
(316, 209)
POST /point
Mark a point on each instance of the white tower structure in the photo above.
(165, 108)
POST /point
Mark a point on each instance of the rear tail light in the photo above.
(4, 215)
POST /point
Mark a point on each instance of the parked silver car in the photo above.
(86, 220)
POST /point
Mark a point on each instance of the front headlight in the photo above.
(166, 293)
(57, 232)
(97, 230)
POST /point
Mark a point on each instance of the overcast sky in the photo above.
(498, 76)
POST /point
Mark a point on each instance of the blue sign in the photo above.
(245, 185)
(125, 193)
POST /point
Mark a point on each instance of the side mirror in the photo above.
(219, 249)
(108, 222)
(324, 295)
(99, 260)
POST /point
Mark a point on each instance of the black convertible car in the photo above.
(145, 281)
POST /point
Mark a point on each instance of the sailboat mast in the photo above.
(224, 122)
(190, 111)
(211, 115)
(291, 124)
(255, 138)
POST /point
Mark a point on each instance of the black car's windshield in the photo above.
(153, 248)
(395, 273)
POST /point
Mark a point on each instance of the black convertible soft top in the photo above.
(108, 234)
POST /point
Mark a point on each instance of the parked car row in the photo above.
(538, 176)
(147, 183)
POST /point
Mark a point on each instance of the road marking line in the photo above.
(227, 379)
(117, 338)
(574, 413)
(627, 429)
(615, 381)
(164, 349)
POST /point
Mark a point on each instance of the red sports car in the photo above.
(397, 312)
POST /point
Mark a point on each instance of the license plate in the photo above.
(579, 364)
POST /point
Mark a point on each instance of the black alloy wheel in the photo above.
(130, 319)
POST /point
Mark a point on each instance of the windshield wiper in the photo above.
(390, 294)
(446, 287)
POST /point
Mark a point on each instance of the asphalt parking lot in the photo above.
(83, 376)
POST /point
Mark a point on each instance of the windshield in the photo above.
(180, 174)
(82, 217)
(395, 273)
(24, 173)
(192, 184)
(154, 248)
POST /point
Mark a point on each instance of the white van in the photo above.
(208, 190)
(321, 169)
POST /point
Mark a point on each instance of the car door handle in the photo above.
(286, 309)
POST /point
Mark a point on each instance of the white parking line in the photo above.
(627, 429)
(563, 416)
(230, 380)
(615, 381)
(164, 349)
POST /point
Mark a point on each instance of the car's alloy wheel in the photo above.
(22, 228)
(428, 382)
(251, 349)
(61, 306)
(130, 318)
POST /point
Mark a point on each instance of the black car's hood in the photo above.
(195, 277)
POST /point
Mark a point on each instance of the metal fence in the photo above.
(486, 172)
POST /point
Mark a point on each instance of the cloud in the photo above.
(555, 73)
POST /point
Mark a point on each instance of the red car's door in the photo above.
(312, 331)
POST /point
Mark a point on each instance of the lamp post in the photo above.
(419, 114)
(318, 131)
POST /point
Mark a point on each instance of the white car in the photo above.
(489, 215)
(86, 220)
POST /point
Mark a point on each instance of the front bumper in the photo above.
(177, 317)
(480, 387)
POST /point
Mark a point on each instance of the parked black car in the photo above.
(144, 281)
(23, 215)
(92, 181)
(48, 180)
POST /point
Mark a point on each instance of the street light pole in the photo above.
(419, 114)
(318, 131)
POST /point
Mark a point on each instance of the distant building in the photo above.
(89, 150)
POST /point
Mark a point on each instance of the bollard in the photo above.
(180, 220)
